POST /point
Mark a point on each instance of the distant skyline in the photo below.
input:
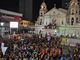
(12, 5)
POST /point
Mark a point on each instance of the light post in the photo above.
(2, 29)
(2, 23)
(55, 32)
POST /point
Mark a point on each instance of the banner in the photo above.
(3, 49)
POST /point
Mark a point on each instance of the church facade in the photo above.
(59, 21)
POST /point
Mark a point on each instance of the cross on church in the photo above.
(54, 5)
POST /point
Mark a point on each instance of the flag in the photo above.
(3, 49)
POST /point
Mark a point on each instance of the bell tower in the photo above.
(43, 9)
(73, 12)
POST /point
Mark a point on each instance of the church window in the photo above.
(72, 21)
(62, 22)
(44, 7)
(40, 21)
(76, 20)
(53, 11)
(41, 14)
(72, 12)
(76, 11)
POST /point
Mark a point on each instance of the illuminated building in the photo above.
(5, 18)
(59, 21)
(24, 23)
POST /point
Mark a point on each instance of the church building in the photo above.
(59, 21)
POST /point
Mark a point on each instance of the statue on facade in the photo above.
(51, 25)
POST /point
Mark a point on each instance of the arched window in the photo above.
(72, 12)
(72, 21)
(40, 21)
(77, 20)
(76, 12)
(53, 11)
(41, 14)
(44, 7)
(62, 22)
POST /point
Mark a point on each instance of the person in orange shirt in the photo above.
(57, 53)
(42, 53)
(51, 52)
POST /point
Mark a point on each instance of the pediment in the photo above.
(55, 11)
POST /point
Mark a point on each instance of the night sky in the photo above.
(13, 5)
(49, 3)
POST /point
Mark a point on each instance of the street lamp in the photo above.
(2, 29)
(55, 31)
(2, 23)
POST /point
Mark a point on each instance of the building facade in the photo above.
(26, 8)
(59, 21)
(5, 18)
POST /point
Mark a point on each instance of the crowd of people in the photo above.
(38, 48)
